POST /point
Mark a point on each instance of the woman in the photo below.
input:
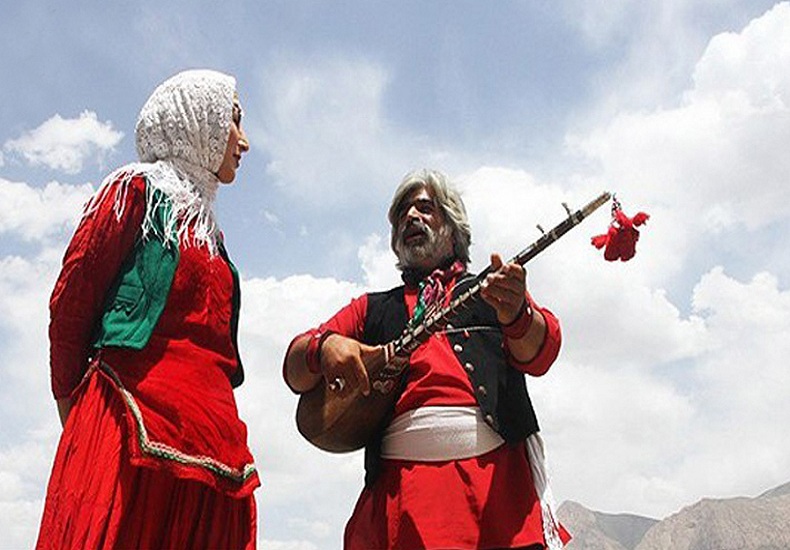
(143, 343)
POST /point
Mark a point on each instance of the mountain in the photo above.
(741, 523)
(599, 531)
(777, 491)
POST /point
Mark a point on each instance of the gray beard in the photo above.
(437, 247)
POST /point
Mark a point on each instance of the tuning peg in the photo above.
(565, 206)
(540, 229)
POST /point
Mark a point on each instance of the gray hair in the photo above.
(446, 197)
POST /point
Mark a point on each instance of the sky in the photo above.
(671, 385)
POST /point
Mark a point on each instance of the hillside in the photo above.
(741, 523)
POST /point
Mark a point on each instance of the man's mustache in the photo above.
(414, 227)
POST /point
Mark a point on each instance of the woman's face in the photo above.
(237, 146)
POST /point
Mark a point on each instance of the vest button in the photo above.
(458, 348)
(469, 367)
(482, 390)
(489, 420)
(449, 326)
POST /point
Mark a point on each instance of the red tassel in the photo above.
(619, 242)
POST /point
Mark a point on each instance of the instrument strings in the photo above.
(437, 318)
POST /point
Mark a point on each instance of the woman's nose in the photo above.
(244, 143)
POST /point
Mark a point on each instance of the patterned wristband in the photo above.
(313, 353)
(520, 325)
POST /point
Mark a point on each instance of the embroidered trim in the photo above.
(160, 450)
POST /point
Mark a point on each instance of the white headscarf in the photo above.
(181, 134)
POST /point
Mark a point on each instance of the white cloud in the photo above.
(317, 489)
(666, 407)
(378, 263)
(719, 159)
(743, 385)
(750, 322)
(630, 432)
(323, 119)
(271, 218)
(750, 64)
(66, 143)
(600, 21)
(33, 213)
(30, 426)
(648, 408)
(327, 131)
(652, 46)
(22, 490)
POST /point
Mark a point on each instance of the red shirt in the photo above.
(435, 377)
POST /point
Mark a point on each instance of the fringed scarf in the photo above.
(181, 135)
(432, 287)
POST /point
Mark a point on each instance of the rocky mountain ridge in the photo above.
(740, 523)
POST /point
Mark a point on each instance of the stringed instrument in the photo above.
(344, 423)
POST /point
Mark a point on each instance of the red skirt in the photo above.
(97, 499)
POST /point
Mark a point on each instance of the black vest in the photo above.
(476, 339)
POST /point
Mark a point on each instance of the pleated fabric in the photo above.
(485, 502)
(97, 499)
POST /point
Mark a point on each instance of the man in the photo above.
(460, 465)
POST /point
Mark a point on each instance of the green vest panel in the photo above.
(137, 298)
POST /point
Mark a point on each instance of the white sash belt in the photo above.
(432, 434)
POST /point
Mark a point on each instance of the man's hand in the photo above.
(342, 364)
(505, 289)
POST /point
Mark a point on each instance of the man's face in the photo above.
(424, 239)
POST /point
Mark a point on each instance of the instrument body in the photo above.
(345, 423)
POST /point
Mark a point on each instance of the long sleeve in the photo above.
(349, 321)
(92, 260)
(549, 350)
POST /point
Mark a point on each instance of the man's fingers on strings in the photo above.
(361, 375)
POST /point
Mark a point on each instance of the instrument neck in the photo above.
(436, 319)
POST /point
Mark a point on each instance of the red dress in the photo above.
(483, 502)
(153, 454)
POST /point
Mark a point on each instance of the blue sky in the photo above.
(671, 384)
